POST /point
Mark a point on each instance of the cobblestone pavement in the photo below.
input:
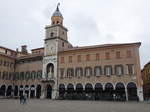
(72, 106)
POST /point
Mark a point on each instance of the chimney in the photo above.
(24, 49)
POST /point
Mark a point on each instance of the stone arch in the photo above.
(98, 89)
(38, 91)
(21, 89)
(89, 91)
(61, 91)
(27, 90)
(109, 89)
(2, 90)
(70, 91)
(70, 88)
(132, 91)
(32, 91)
(9, 90)
(16, 89)
(120, 92)
(49, 91)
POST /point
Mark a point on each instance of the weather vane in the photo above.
(58, 6)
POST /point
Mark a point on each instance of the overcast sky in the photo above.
(89, 22)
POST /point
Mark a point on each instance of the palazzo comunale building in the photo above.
(60, 71)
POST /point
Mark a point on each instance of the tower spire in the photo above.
(57, 9)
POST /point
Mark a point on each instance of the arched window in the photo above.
(39, 74)
(108, 70)
(79, 72)
(33, 74)
(17, 75)
(119, 70)
(62, 72)
(22, 75)
(88, 71)
(70, 72)
(27, 75)
(97, 71)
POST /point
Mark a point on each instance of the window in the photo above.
(97, 71)
(131, 69)
(87, 57)
(70, 59)
(79, 58)
(107, 56)
(118, 55)
(62, 60)
(108, 70)
(88, 71)
(22, 75)
(97, 56)
(52, 34)
(70, 72)
(57, 22)
(61, 73)
(63, 44)
(129, 55)
(39, 74)
(119, 70)
(79, 72)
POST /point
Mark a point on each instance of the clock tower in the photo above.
(55, 40)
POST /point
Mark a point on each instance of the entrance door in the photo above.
(49, 91)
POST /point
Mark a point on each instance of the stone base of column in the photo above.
(140, 93)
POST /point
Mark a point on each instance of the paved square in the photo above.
(72, 106)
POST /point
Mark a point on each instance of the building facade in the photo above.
(60, 71)
(146, 81)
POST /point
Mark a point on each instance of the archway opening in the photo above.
(32, 91)
(98, 91)
(79, 92)
(49, 91)
(108, 93)
(2, 90)
(61, 91)
(16, 91)
(27, 90)
(38, 91)
(120, 94)
(89, 91)
(132, 91)
(70, 91)
(9, 91)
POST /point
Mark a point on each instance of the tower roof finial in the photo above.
(58, 7)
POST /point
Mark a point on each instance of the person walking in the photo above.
(21, 99)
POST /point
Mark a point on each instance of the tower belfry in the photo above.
(57, 17)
